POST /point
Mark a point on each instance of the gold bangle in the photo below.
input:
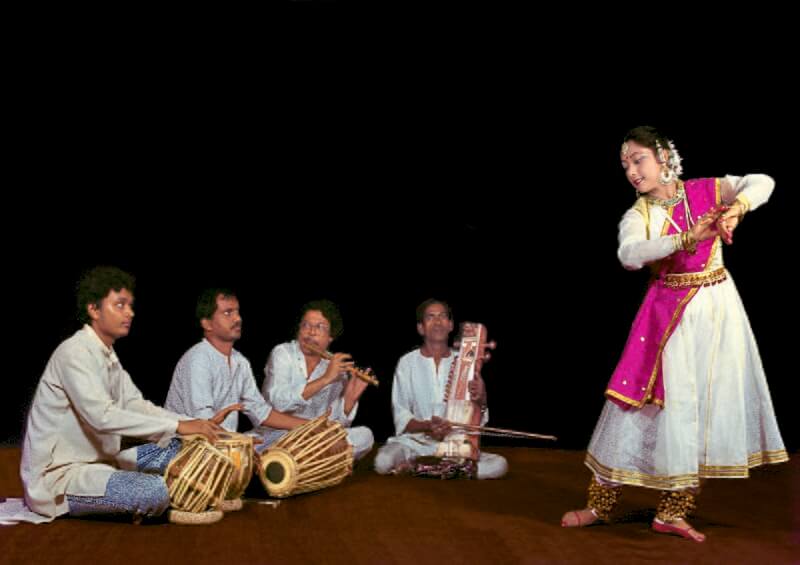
(677, 243)
(737, 209)
(744, 204)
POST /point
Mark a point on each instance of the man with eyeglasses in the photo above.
(299, 381)
(418, 398)
(212, 379)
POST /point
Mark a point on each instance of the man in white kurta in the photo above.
(206, 381)
(84, 403)
(418, 395)
(300, 382)
(214, 380)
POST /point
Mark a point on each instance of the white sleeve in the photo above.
(755, 190)
(635, 250)
(337, 411)
(81, 376)
(255, 407)
(281, 388)
(401, 398)
(191, 391)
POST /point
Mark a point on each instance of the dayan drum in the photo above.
(313, 456)
(197, 480)
(239, 449)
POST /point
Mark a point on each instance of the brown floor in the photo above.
(374, 519)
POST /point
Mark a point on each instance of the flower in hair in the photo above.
(674, 161)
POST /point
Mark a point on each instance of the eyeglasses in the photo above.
(320, 327)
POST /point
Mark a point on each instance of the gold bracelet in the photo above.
(737, 210)
(677, 243)
(744, 205)
(740, 209)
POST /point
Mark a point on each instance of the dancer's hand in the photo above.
(728, 222)
(706, 226)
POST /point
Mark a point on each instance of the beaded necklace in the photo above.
(668, 203)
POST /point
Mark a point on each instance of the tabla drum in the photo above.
(313, 456)
(239, 449)
(197, 480)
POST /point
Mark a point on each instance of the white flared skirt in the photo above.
(717, 421)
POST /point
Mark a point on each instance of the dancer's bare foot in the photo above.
(679, 527)
(579, 518)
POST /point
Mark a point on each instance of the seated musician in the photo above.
(212, 379)
(418, 393)
(299, 381)
(84, 404)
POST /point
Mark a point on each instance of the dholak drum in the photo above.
(197, 481)
(311, 457)
(239, 449)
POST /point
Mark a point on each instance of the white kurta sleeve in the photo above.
(193, 382)
(402, 398)
(255, 407)
(283, 386)
(635, 250)
(337, 411)
(82, 377)
(755, 189)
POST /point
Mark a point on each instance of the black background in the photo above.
(490, 184)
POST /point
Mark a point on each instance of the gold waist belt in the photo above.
(686, 280)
